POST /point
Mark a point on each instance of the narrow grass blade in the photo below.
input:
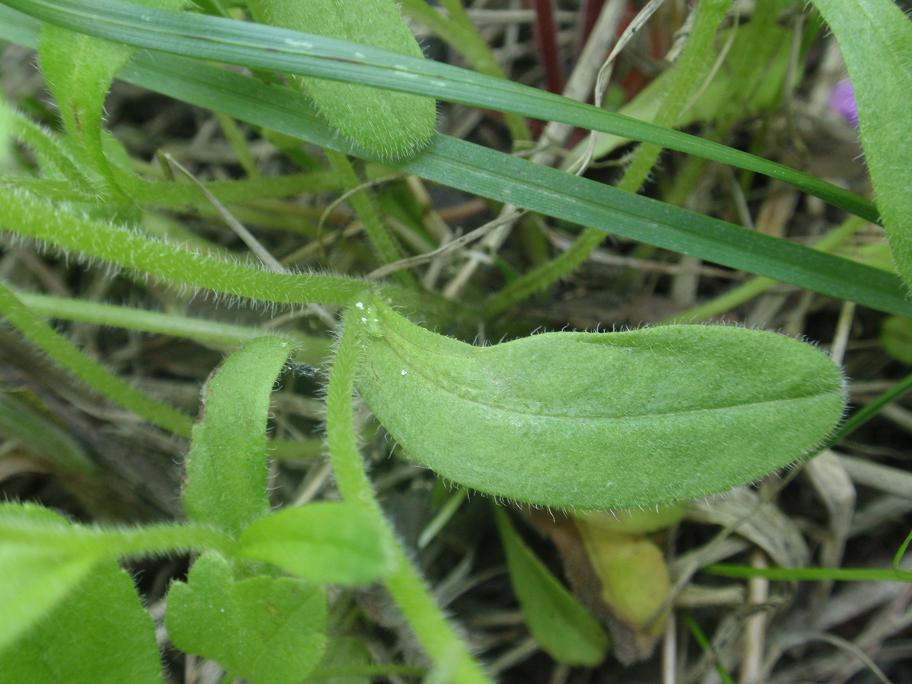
(504, 178)
(266, 47)
(811, 574)
(87, 369)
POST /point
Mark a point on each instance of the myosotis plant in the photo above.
(575, 421)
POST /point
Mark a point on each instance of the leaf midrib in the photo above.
(639, 417)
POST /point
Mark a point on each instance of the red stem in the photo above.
(591, 11)
(546, 33)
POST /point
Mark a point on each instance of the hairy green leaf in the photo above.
(267, 630)
(387, 124)
(36, 577)
(876, 42)
(558, 621)
(226, 466)
(79, 71)
(100, 632)
(600, 420)
(328, 543)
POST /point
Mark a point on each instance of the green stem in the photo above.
(174, 194)
(33, 217)
(92, 373)
(238, 142)
(810, 574)
(384, 246)
(148, 540)
(689, 73)
(404, 583)
(222, 336)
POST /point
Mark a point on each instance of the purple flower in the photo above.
(842, 101)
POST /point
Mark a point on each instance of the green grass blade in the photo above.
(504, 178)
(265, 47)
(811, 574)
(871, 409)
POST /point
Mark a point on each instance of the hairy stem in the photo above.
(92, 373)
(148, 540)
(32, 217)
(49, 149)
(404, 583)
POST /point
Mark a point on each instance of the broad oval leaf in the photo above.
(600, 420)
(390, 125)
(875, 38)
(326, 542)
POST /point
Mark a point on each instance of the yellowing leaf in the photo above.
(634, 583)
